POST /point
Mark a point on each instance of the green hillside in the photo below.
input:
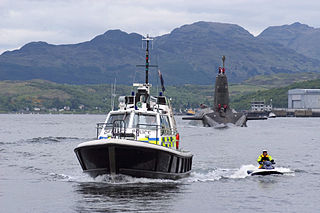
(47, 96)
(280, 80)
(18, 96)
(44, 96)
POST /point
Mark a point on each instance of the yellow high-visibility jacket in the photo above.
(264, 158)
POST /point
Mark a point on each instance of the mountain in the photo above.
(299, 37)
(189, 54)
(95, 61)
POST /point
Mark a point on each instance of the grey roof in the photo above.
(303, 91)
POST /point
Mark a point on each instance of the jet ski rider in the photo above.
(264, 157)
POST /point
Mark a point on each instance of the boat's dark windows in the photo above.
(173, 164)
(182, 165)
(135, 121)
(164, 121)
(127, 119)
(186, 165)
(161, 100)
(95, 158)
(163, 162)
(140, 159)
(144, 121)
(129, 99)
(178, 165)
(113, 117)
(165, 125)
(142, 98)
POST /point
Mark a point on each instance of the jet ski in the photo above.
(266, 169)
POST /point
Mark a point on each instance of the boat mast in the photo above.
(113, 93)
(147, 65)
(147, 39)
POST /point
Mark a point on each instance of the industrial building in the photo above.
(304, 99)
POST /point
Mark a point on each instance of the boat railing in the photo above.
(119, 130)
(117, 127)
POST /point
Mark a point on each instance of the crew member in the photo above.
(264, 157)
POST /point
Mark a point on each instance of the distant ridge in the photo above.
(189, 54)
(297, 36)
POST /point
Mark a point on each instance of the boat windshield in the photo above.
(165, 124)
(143, 121)
(116, 117)
(164, 121)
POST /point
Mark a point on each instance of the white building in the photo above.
(304, 99)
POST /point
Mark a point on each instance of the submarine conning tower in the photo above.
(221, 92)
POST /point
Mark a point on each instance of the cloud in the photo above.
(73, 21)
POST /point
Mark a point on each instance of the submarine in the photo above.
(220, 114)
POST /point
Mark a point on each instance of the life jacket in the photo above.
(265, 158)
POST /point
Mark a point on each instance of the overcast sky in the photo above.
(73, 21)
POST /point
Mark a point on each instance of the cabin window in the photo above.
(142, 98)
(143, 121)
(161, 100)
(164, 121)
(165, 125)
(115, 117)
(129, 99)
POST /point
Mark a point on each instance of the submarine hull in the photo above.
(214, 118)
(211, 118)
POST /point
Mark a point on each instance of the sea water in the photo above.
(39, 171)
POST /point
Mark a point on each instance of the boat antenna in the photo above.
(113, 93)
(147, 65)
(147, 39)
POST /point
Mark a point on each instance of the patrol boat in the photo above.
(140, 139)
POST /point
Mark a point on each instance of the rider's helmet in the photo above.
(263, 151)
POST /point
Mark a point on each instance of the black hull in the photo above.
(134, 161)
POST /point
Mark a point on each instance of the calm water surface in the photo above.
(39, 171)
